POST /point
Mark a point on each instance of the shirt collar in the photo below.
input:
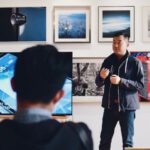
(32, 115)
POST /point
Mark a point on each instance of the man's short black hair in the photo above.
(126, 35)
(40, 72)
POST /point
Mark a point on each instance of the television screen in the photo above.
(8, 103)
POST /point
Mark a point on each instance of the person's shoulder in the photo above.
(74, 124)
(13, 124)
(83, 132)
(134, 60)
(5, 123)
(109, 58)
(79, 127)
(5, 126)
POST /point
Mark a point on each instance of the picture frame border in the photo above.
(145, 10)
(29, 41)
(88, 24)
(109, 40)
(87, 99)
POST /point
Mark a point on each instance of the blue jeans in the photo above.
(110, 119)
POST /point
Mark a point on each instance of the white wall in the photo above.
(91, 113)
(85, 49)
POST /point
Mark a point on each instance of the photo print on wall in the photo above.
(72, 24)
(144, 57)
(146, 24)
(84, 74)
(115, 19)
(23, 24)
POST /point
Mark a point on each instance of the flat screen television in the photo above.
(8, 103)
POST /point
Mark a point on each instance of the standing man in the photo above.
(122, 76)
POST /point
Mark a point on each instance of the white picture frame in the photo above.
(146, 23)
(72, 24)
(111, 18)
(86, 69)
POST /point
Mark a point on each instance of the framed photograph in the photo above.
(144, 57)
(146, 24)
(115, 19)
(72, 24)
(23, 24)
(84, 74)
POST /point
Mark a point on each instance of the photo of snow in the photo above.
(72, 25)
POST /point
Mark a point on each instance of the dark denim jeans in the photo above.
(110, 119)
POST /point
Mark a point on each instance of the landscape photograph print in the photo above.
(115, 19)
(72, 24)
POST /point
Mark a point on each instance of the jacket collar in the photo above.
(122, 59)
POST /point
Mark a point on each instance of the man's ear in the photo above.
(58, 96)
(13, 84)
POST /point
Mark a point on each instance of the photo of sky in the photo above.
(115, 21)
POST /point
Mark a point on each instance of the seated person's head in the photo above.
(39, 75)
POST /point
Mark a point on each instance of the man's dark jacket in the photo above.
(130, 70)
(45, 135)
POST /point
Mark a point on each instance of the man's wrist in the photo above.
(120, 81)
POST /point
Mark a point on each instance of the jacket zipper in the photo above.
(109, 89)
(118, 85)
(109, 97)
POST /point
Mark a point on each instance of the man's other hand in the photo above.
(104, 73)
(114, 79)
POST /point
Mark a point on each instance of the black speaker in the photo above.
(10, 19)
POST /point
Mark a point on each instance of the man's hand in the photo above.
(104, 73)
(114, 79)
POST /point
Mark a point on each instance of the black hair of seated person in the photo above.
(40, 72)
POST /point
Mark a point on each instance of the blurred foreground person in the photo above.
(39, 76)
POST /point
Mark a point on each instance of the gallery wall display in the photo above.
(113, 19)
(84, 73)
(146, 24)
(144, 57)
(72, 24)
(8, 103)
(23, 24)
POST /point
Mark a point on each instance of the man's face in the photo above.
(120, 44)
